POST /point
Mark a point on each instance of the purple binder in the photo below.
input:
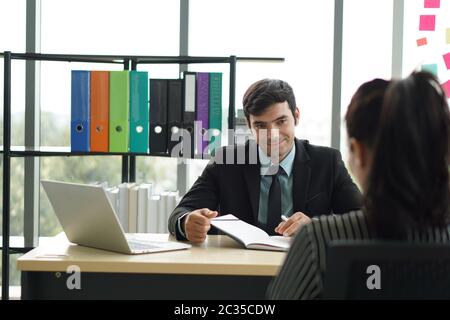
(202, 109)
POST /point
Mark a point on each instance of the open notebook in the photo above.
(250, 236)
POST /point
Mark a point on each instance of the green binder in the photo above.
(139, 111)
(215, 111)
(119, 94)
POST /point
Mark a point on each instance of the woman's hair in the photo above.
(363, 112)
(408, 184)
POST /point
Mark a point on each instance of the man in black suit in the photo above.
(273, 176)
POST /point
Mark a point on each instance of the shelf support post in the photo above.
(132, 159)
(6, 173)
(32, 126)
(337, 75)
(232, 106)
(125, 158)
(182, 167)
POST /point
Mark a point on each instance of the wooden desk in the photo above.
(217, 269)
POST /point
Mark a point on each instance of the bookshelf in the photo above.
(129, 62)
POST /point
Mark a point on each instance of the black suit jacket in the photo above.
(321, 184)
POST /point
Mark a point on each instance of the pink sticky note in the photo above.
(446, 86)
(427, 22)
(447, 60)
(432, 4)
(421, 42)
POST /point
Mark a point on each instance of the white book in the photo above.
(103, 184)
(144, 194)
(250, 236)
(168, 204)
(123, 204)
(113, 196)
(162, 215)
(178, 197)
(133, 209)
(152, 213)
(150, 189)
(171, 203)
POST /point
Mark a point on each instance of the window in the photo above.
(12, 38)
(299, 31)
(135, 27)
(367, 49)
(74, 169)
(428, 55)
(14, 276)
(12, 18)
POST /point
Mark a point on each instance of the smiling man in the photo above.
(279, 176)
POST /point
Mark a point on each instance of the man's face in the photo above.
(275, 130)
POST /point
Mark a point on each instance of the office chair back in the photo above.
(387, 270)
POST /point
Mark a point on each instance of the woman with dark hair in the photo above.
(399, 152)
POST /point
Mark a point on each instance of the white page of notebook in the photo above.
(244, 231)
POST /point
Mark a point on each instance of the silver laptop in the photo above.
(87, 217)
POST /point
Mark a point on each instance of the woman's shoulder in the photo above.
(315, 235)
(354, 226)
(348, 226)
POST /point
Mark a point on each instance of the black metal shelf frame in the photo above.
(128, 159)
(21, 152)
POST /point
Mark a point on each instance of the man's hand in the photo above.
(197, 225)
(292, 225)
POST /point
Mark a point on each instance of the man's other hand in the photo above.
(292, 225)
(197, 224)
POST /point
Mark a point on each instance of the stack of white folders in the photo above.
(139, 210)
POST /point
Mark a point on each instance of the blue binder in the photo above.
(80, 104)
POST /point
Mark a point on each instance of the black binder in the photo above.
(158, 116)
(175, 113)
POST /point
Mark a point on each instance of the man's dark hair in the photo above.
(266, 92)
(408, 184)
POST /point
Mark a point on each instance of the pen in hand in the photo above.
(284, 219)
